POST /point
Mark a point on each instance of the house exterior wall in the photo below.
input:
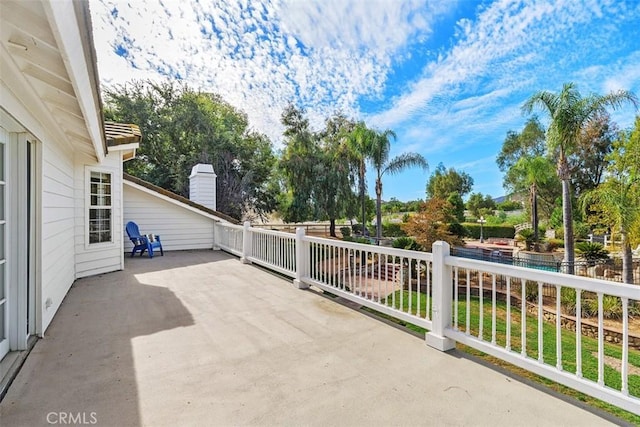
(101, 257)
(58, 263)
(179, 228)
(57, 114)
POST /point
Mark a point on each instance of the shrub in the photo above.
(500, 231)
(592, 251)
(458, 229)
(527, 237)
(509, 205)
(408, 243)
(393, 229)
(568, 300)
(552, 244)
(346, 231)
(611, 307)
(531, 291)
(356, 239)
(581, 230)
(358, 229)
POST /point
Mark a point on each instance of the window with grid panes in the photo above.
(100, 209)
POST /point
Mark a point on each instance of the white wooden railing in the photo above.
(272, 249)
(480, 304)
(228, 237)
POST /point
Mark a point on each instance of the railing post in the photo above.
(301, 260)
(442, 299)
(246, 243)
(216, 231)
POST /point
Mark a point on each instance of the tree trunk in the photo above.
(567, 221)
(362, 174)
(534, 212)
(567, 217)
(332, 227)
(627, 259)
(378, 210)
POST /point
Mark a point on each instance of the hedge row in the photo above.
(499, 231)
(472, 228)
(393, 229)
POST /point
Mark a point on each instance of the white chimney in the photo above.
(202, 185)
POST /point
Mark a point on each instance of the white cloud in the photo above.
(261, 56)
(507, 38)
(339, 54)
(624, 75)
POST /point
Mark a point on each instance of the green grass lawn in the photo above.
(612, 377)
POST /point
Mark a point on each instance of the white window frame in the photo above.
(88, 207)
(4, 300)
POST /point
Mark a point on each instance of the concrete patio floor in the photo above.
(197, 338)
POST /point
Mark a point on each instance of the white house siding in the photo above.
(58, 263)
(178, 227)
(102, 257)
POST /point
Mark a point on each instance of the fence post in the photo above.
(301, 260)
(442, 299)
(246, 243)
(216, 231)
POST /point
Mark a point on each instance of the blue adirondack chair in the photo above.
(143, 242)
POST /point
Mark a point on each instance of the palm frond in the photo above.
(404, 161)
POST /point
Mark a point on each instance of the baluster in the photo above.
(493, 309)
(600, 340)
(508, 331)
(540, 325)
(558, 329)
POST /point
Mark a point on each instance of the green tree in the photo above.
(530, 143)
(379, 157)
(477, 202)
(299, 157)
(333, 191)
(359, 142)
(392, 206)
(617, 199)
(317, 169)
(590, 160)
(182, 127)
(533, 172)
(569, 112)
(456, 202)
(443, 182)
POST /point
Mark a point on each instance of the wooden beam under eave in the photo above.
(49, 79)
(12, 13)
(26, 50)
(64, 105)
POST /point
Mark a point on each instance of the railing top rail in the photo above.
(553, 278)
(283, 234)
(403, 253)
(232, 226)
(301, 224)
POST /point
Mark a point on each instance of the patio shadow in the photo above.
(85, 368)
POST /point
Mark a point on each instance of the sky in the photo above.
(448, 77)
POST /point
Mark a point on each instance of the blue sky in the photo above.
(449, 77)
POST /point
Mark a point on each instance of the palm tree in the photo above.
(617, 197)
(532, 172)
(359, 143)
(380, 160)
(569, 113)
